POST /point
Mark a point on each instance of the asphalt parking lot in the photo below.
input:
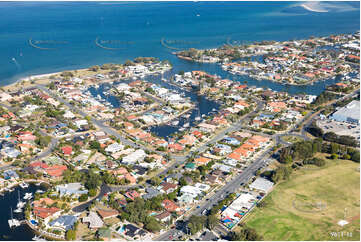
(339, 128)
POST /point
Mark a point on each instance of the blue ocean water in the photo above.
(67, 31)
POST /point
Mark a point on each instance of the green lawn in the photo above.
(309, 205)
(291, 139)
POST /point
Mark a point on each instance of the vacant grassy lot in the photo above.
(291, 139)
(309, 205)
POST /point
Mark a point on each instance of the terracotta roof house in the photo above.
(43, 202)
(56, 170)
(132, 194)
(202, 160)
(164, 216)
(109, 213)
(67, 150)
(170, 206)
(44, 213)
(167, 187)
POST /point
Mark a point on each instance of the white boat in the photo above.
(181, 129)
(18, 210)
(28, 196)
(24, 185)
(39, 183)
(186, 125)
(38, 238)
(197, 118)
(187, 115)
(175, 123)
(20, 203)
(13, 222)
(39, 191)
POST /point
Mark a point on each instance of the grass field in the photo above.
(309, 205)
(291, 139)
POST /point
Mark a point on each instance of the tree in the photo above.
(182, 182)
(334, 156)
(92, 192)
(212, 221)
(196, 223)
(70, 235)
(155, 181)
(93, 180)
(152, 224)
(83, 197)
(356, 156)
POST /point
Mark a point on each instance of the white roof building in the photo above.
(134, 157)
(262, 184)
(94, 220)
(349, 113)
(191, 191)
(244, 201)
(68, 114)
(81, 122)
(115, 147)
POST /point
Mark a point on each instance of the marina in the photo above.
(19, 230)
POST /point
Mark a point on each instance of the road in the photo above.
(235, 127)
(230, 187)
(245, 176)
(106, 129)
(82, 207)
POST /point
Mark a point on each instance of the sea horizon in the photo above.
(131, 29)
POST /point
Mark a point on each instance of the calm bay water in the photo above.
(70, 30)
(8, 200)
(38, 38)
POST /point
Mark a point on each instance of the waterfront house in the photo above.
(75, 189)
(10, 174)
(46, 214)
(64, 222)
(42, 202)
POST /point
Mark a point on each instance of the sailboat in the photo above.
(198, 117)
(13, 222)
(20, 204)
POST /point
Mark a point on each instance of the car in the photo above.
(170, 237)
(198, 206)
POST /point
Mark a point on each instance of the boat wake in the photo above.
(325, 7)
